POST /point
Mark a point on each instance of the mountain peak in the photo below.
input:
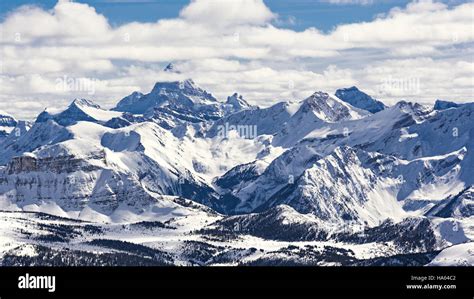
(319, 95)
(355, 97)
(237, 101)
(78, 110)
(417, 111)
(403, 104)
(329, 108)
(321, 99)
(443, 105)
(84, 103)
(170, 95)
(171, 68)
(184, 86)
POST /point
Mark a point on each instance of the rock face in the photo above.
(359, 99)
(71, 183)
(61, 164)
(24, 163)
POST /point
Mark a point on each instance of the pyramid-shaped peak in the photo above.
(352, 88)
(171, 68)
(318, 96)
(237, 102)
(360, 99)
(85, 103)
(236, 98)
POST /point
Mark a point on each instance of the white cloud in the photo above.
(229, 46)
(68, 22)
(235, 12)
(420, 6)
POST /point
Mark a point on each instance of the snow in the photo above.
(405, 135)
(457, 255)
(383, 204)
(452, 231)
(46, 207)
(7, 130)
(99, 114)
(3, 113)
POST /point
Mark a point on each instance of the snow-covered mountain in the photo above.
(236, 103)
(7, 124)
(171, 104)
(210, 182)
(359, 99)
(79, 110)
(178, 95)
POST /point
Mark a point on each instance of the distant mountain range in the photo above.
(177, 177)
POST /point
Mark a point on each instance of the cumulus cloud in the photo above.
(225, 13)
(228, 46)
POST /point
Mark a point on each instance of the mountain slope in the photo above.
(351, 184)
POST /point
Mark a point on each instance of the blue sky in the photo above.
(295, 14)
(416, 50)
